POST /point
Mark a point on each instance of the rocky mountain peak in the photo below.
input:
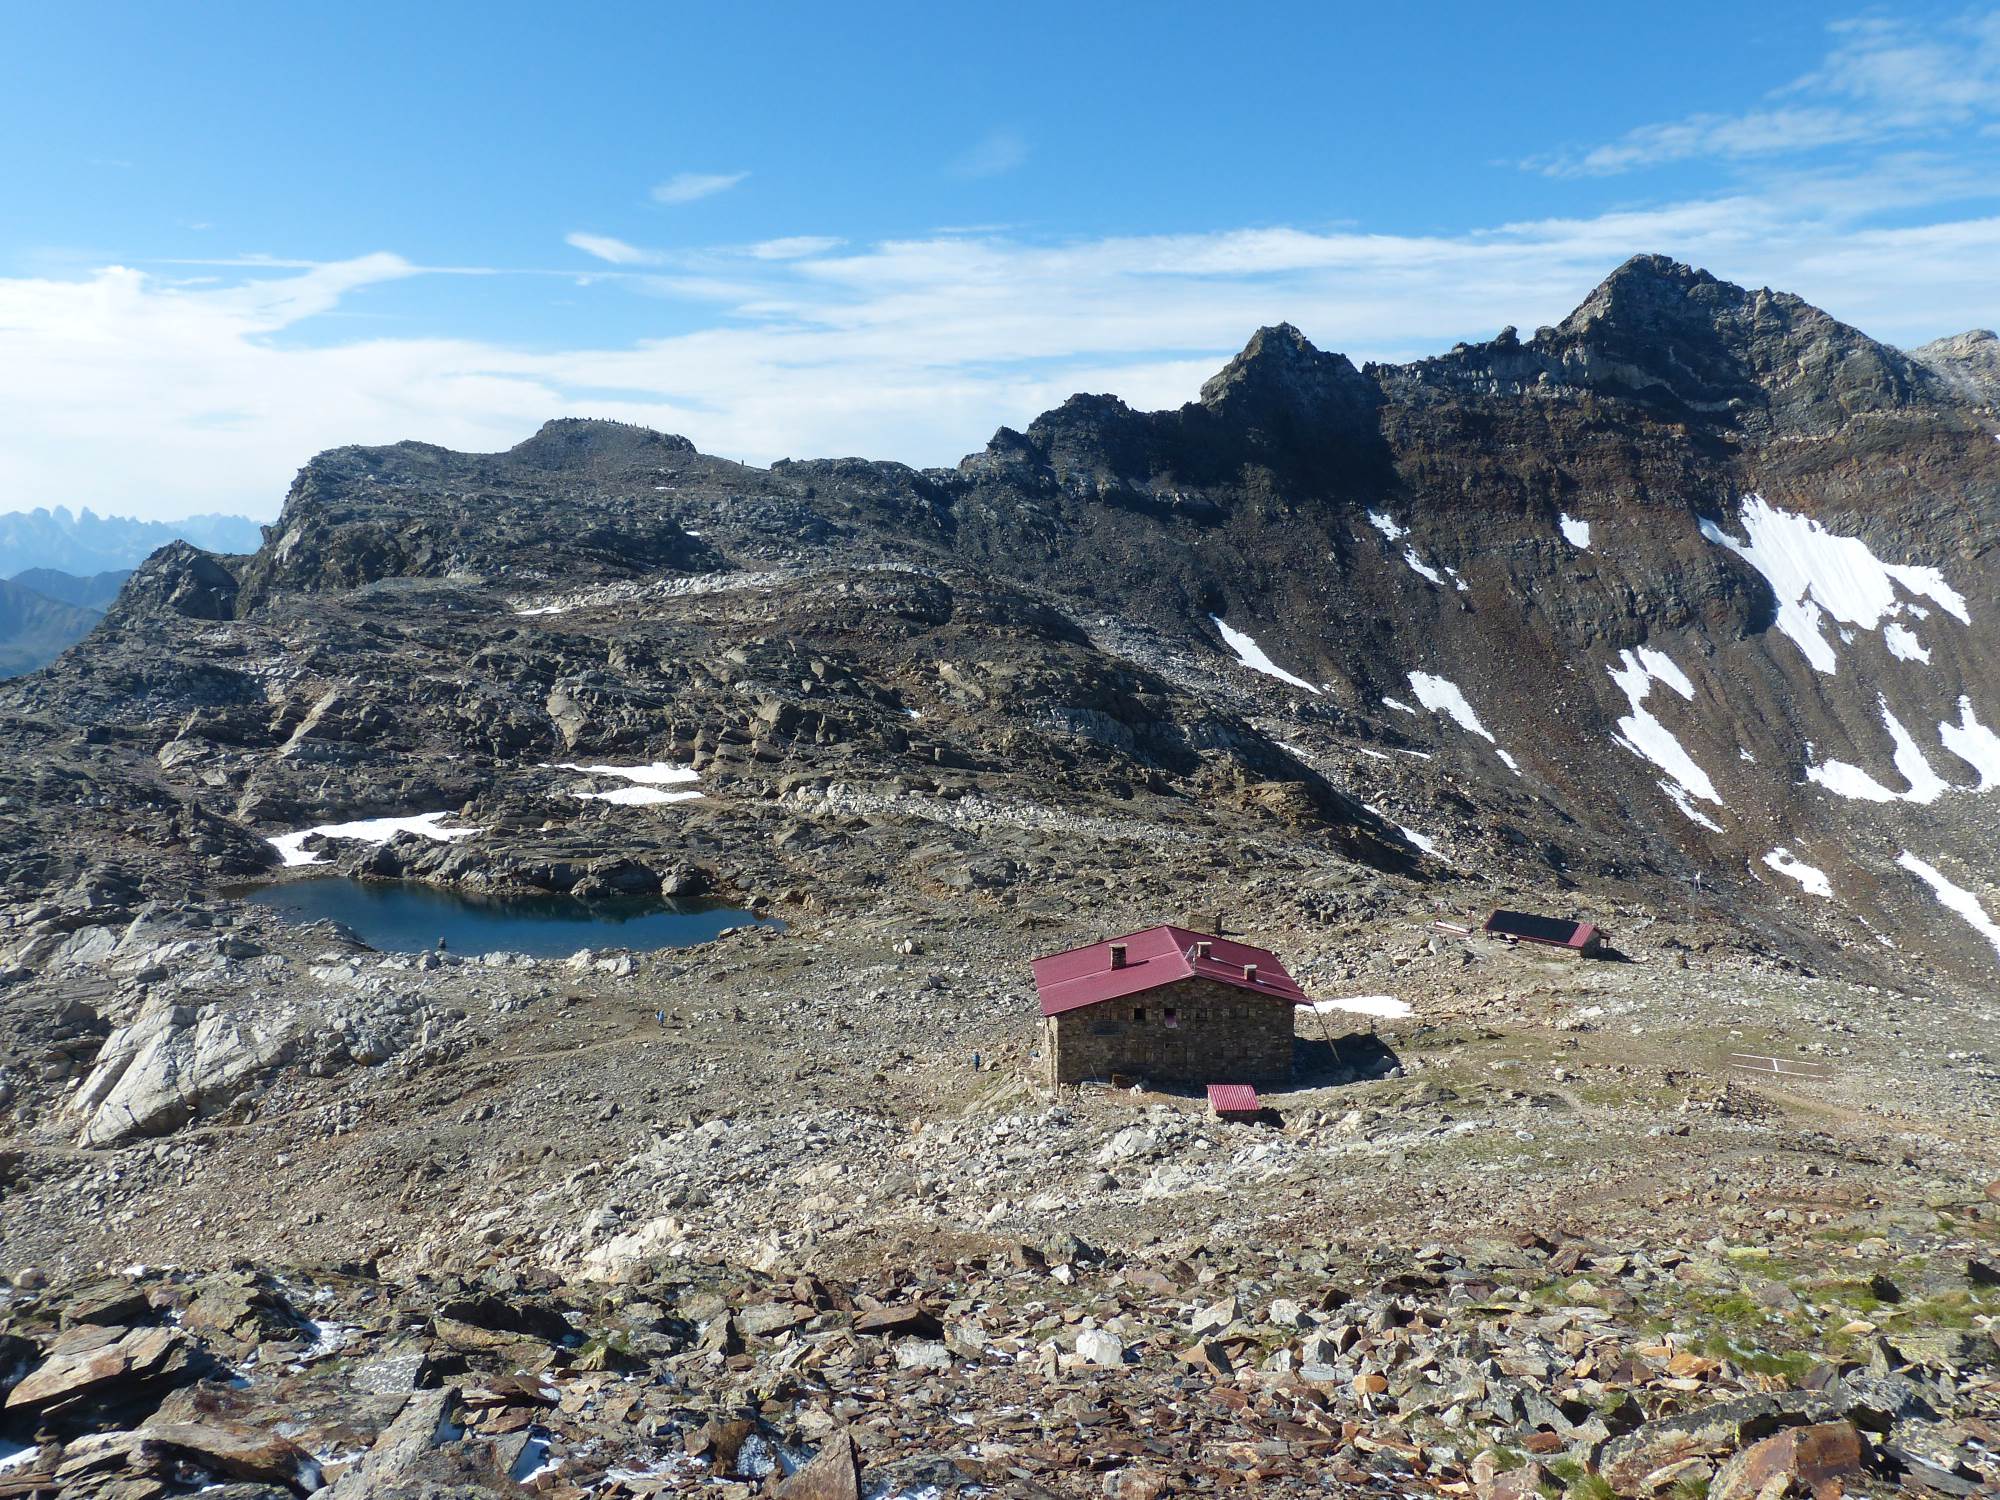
(1667, 333)
(1651, 287)
(568, 442)
(1281, 370)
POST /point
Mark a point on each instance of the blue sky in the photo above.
(234, 235)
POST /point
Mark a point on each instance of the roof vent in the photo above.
(1249, 973)
(1117, 955)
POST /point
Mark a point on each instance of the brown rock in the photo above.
(241, 1452)
(116, 1303)
(899, 1320)
(1814, 1458)
(720, 1440)
(1524, 1483)
(88, 1361)
(1211, 1355)
(834, 1474)
(1139, 1483)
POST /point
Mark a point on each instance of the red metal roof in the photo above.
(1156, 956)
(1233, 1099)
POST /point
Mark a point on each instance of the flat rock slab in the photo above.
(90, 1360)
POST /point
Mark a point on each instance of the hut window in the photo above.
(1139, 1015)
(1173, 1017)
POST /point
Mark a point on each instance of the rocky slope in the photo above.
(1677, 616)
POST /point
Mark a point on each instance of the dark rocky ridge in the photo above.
(1046, 606)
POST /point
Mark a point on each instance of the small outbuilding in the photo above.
(1551, 932)
(1170, 1005)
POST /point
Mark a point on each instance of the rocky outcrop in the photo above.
(1967, 364)
(179, 579)
(171, 1065)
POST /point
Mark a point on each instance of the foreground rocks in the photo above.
(1057, 1369)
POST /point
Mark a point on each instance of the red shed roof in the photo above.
(1157, 956)
(1234, 1099)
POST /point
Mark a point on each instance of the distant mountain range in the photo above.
(95, 592)
(84, 543)
(35, 629)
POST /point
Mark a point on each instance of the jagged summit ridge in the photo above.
(1676, 338)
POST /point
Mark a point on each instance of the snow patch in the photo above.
(1386, 524)
(1679, 797)
(1815, 881)
(1442, 696)
(659, 773)
(1398, 704)
(1844, 779)
(1575, 532)
(1815, 574)
(1903, 643)
(1386, 1006)
(1419, 567)
(1973, 743)
(638, 796)
(292, 849)
(1456, 582)
(1957, 897)
(534, 1461)
(1429, 846)
(1415, 839)
(1252, 655)
(1650, 740)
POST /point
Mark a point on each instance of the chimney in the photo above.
(1203, 948)
(1250, 973)
(1117, 955)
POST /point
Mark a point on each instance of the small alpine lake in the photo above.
(395, 916)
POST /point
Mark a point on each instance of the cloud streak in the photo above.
(994, 154)
(615, 251)
(691, 187)
(1882, 81)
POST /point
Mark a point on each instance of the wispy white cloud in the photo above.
(1883, 81)
(687, 187)
(992, 155)
(616, 251)
(795, 247)
(914, 349)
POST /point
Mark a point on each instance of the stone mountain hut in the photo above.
(1168, 1005)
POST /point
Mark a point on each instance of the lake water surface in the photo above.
(408, 917)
